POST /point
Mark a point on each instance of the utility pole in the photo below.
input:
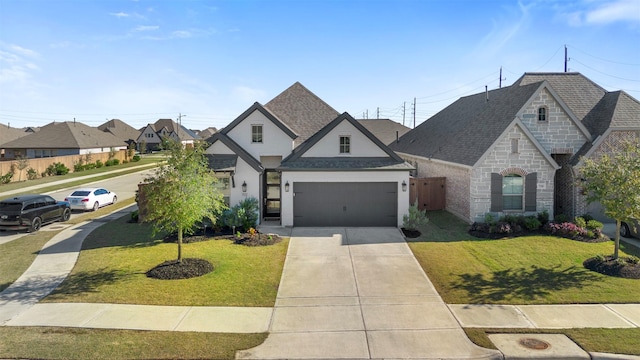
(565, 58)
(179, 125)
(367, 114)
(414, 112)
(404, 110)
(501, 77)
(378, 113)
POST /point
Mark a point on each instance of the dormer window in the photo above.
(345, 144)
(542, 114)
(256, 133)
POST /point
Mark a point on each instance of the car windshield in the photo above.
(10, 207)
(80, 193)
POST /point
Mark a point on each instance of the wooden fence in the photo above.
(40, 165)
(431, 193)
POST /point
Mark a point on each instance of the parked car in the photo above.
(91, 198)
(631, 229)
(30, 212)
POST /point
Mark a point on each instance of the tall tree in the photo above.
(181, 193)
(614, 181)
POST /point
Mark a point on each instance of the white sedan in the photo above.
(91, 198)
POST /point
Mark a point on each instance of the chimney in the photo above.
(486, 93)
(397, 136)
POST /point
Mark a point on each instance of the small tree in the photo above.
(182, 192)
(415, 218)
(614, 181)
(22, 163)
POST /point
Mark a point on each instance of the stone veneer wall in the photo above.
(559, 134)
(458, 182)
(609, 146)
(501, 160)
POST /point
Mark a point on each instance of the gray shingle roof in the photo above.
(121, 130)
(172, 126)
(222, 162)
(384, 129)
(302, 111)
(464, 130)
(258, 107)
(65, 135)
(233, 146)
(344, 164)
(9, 134)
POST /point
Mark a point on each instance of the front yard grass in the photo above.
(115, 257)
(72, 343)
(523, 270)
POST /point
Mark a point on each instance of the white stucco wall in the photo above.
(275, 141)
(155, 139)
(346, 176)
(329, 145)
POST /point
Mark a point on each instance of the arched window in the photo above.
(542, 113)
(512, 192)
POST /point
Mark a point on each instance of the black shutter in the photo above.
(530, 191)
(496, 192)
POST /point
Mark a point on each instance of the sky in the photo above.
(208, 61)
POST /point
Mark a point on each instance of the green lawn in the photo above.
(115, 257)
(71, 343)
(524, 270)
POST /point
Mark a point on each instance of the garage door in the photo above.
(345, 204)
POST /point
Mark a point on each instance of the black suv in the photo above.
(29, 212)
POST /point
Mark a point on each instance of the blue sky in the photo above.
(144, 60)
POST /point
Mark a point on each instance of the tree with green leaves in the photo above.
(23, 162)
(614, 181)
(181, 193)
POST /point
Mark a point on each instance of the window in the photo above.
(222, 185)
(542, 113)
(256, 133)
(514, 146)
(345, 144)
(512, 191)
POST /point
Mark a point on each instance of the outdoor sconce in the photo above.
(244, 186)
(404, 186)
(286, 186)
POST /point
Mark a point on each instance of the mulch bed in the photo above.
(411, 234)
(479, 230)
(186, 269)
(621, 267)
(258, 239)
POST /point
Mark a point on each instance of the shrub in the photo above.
(532, 223)
(6, 178)
(108, 162)
(135, 158)
(560, 218)
(543, 217)
(125, 162)
(32, 174)
(78, 167)
(134, 216)
(57, 169)
(594, 225)
(489, 219)
(89, 166)
(99, 164)
(565, 229)
(115, 161)
(415, 218)
(245, 214)
(587, 217)
(633, 259)
(503, 228)
(579, 221)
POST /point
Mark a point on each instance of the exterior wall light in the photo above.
(286, 186)
(404, 186)
(244, 186)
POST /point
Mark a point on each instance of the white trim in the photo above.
(466, 167)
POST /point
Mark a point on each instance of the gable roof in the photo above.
(302, 111)
(295, 161)
(384, 129)
(120, 129)
(463, 131)
(237, 149)
(172, 126)
(9, 134)
(66, 135)
(258, 107)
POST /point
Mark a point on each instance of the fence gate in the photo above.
(430, 193)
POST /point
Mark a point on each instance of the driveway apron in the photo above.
(359, 293)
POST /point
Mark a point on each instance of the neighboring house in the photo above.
(8, 134)
(123, 131)
(63, 138)
(385, 130)
(309, 165)
(517, 150)
(206, 133)
(153, 134)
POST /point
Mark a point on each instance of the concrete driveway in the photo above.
(359, 293)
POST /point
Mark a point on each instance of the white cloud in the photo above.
(503, 31)
(120, 14)
(14, 64)
(146, 28)
(181, 34)
(620, 10)
(24, 51)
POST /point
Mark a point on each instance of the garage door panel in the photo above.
(345, 204)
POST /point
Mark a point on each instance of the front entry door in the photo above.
(271, 196)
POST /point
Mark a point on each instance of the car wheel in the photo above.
(66, 214)
(36, 224)
(96, 206)
(115, 199)
(624, 230)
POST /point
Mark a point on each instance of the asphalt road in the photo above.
(124, 186)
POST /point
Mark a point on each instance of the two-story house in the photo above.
(152, 135)
(309, 165)
(518, 149)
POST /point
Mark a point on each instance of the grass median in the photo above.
(524, 270)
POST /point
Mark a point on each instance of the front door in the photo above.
(271, 196)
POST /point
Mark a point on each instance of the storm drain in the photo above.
(533, 344)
